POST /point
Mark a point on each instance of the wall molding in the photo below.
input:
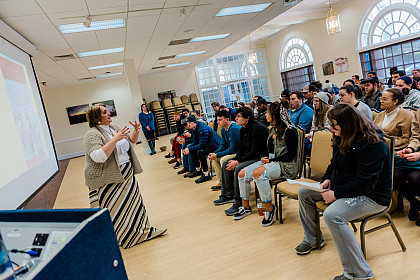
(72, 155)
(69, 140)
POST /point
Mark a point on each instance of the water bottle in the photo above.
(260, 207)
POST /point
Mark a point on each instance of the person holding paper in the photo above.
(111, 164)
(282, 162)
(359, 183)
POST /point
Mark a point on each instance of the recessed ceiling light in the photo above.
(106, 66)
(107, 51)
(109, 75)
(94, 25)
(188, 54)
(207, 38)
(188, 30)
(177, 64)
(242, 10)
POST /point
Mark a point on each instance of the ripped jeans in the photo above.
(272, 172)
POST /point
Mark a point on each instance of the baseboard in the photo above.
(72, 155)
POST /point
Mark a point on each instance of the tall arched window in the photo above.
(295, 64)
(389, 20)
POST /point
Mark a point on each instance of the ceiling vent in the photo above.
(158, 67)
(87, 78)
(179, 42)
(166, 57)
(65, 57)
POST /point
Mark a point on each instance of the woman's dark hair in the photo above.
(286, 92)
(223, 113)
(144, 105)
(277, 122)
(354, 127)
(246, 113)
(397, 94)
(242, 104)
(320, 114)
(316, 84)
(93, 114)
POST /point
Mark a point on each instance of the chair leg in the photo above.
(318, 230)
(362, 237)
(276, 202)
(281, 207)
(257, 193)
(353, 226)
(397, 235)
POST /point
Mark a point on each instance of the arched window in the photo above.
(295, 52)
(389, 20)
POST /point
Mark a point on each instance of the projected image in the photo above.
(110, 107)
(15, 81)
(77, 114)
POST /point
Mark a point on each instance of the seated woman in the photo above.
(358, 183)
(321, 108)
(282, 162)
(111, 164)
(395, 121)
(407, 170)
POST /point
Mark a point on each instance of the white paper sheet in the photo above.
(307, 185)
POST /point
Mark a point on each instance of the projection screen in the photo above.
(27, 155)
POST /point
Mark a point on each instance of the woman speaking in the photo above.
(111, 164)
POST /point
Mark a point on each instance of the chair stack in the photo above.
(196, 104)
(159, 114)
(169, 109)
(178, 104)
(185, 99)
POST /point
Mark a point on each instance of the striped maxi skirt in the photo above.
(125, 204)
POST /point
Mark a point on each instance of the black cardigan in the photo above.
(365, 170)
(253, 143)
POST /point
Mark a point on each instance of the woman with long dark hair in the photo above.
(358, 182)
(147, 121)
(282, 162)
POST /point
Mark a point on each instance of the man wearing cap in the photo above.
(204, 141)
(410, 91)
(261, 111)
(300, 113)
(308, 92)
(373, 95)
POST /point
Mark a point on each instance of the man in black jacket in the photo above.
(261, 111)
(252, 147)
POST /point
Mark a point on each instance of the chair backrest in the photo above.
(189, 107)
(322, 150)
(193, 97)
(155, 105)
(177, 101)
(390, 142)
(185, 99)
(374, 114)
(301, 151)
(166, 103)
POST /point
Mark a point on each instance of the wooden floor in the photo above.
(203, 243)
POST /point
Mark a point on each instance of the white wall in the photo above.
(183, 82)
(323, 46)
(68, 138)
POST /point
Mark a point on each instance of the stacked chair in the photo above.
(159, 114)
(185, 99)
(178, 104)
(169, 109)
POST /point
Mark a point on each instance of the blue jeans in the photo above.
(187, 160)
(336, 217)
(272, 171)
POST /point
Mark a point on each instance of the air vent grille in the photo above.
(87, 78)
(65, 57)
(179, 42)
(166, 57)
(158, 67)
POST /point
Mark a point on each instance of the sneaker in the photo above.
(172, 160)
(203, 179)
(183, 170)
(187, 175)
(413, 214)
(168, 155)
(242, 213)
(177, 165)
(216, 188)
(195, 173)
(269, 217)
(223, 200)
(304, 248)
(341, 277)
(232, 210)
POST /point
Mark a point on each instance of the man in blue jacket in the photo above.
(205, 140)
(229, 146)
(300, 113)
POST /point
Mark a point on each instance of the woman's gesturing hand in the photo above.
(120, 135)
(135, 125)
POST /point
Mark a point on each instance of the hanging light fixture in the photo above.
(252, 56)
(333, 22)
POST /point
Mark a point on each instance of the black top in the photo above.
(292, 140)
(253, 143)
(365, 170)
(260, 117)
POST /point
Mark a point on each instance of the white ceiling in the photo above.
(147, 32)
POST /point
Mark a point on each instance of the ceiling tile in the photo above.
(92, 61)
(13, 8)
(58, 6)
(80, 36)
(99, 4)
(113, 58)
(148, 9)
(142, 20)
(23, 22)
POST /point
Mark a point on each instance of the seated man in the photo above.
(176, 146)
(261, 111)
(309, 92)
(229, 146)
(348, 95)
(372, 96)
(205, 140)
(187, 164)
(232, 112)
(300, 113)
(253, 145)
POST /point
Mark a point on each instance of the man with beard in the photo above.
(373, 95)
